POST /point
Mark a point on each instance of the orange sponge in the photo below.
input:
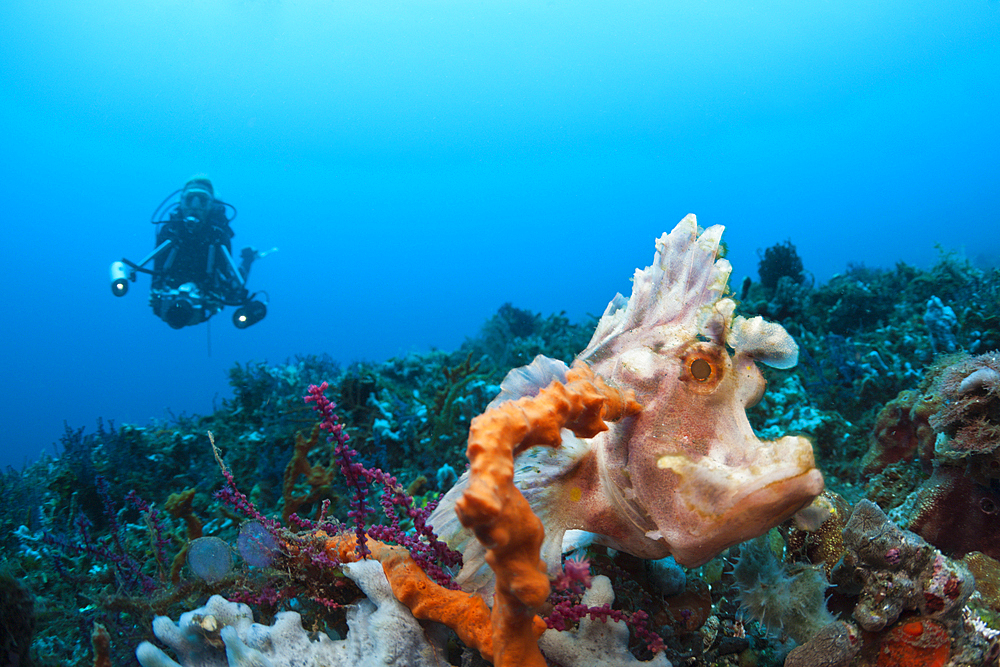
(500, 517)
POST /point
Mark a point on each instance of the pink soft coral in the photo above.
(575, 571)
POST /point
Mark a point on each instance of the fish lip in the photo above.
(716, 506)
(754, 518)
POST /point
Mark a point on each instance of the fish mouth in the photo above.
(717, 506)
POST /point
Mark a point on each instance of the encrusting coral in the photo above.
(833, 646)
(953, 428)
(908, 592)
(897, 571)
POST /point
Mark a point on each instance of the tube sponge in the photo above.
(786, 599)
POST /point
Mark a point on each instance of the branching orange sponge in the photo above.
(500, 517)
(465, 613)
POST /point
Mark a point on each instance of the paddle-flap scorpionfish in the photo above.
(686, 476)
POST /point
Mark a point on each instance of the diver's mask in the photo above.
(196, 201)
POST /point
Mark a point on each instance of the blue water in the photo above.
(420, 163)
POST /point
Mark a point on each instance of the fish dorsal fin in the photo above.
(685, 277)
(529, 380)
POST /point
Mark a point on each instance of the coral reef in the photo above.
(104, 535)
(951, 427)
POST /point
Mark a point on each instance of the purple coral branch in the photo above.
(156, 524)
(232, 496)
(127, 569)
(427, 553)
(565, 614)
(355, 474)
(304, 524)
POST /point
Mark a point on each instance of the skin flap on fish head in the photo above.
(688, 476)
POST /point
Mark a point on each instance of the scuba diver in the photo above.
(194, 274)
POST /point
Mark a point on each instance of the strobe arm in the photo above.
(232, 264)
(124, 271)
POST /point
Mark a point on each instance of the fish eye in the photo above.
(701, 370)
(704, 367)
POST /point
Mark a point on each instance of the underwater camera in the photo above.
(249, 314)
(181, 307)
(120, 276)
(179, 313)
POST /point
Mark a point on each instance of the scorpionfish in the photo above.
(686, 476)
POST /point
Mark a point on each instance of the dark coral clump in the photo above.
(779, 261)
(17, 621)
(514, 336)
(850, 302)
